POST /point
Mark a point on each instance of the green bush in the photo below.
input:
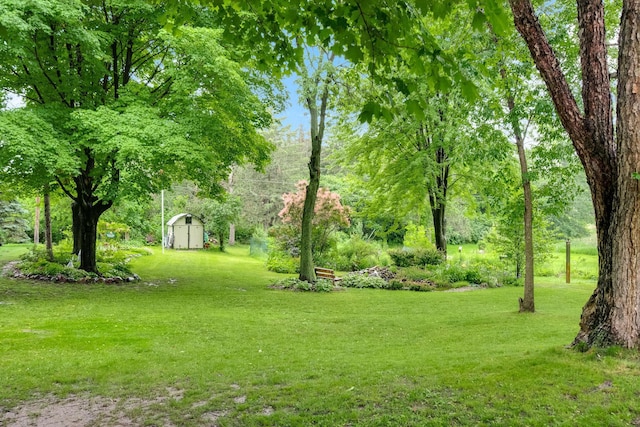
(356, 253)
(402, 258)
(415, 274)
(294, 284)
(510, 280)
(455, 273)
(417, 257)
(112, 262)
(281, 262)
(420, 287)
(363, 281)
(428, 257)
(395, 284)
(416, 237)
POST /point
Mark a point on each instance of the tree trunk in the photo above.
(232, 234)
(527, 303)
(36, 223)
(307, 272)
(89, 236)
(612, 314)
(438, 214)
(76, 229)
(232, 226)
(438, 200)
(48, 234)
(86, 210)
(317, 116)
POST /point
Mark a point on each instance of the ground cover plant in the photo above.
(112, 261)
(202, 340)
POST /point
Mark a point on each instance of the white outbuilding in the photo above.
(185, 231)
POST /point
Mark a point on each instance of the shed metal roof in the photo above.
(177, 217)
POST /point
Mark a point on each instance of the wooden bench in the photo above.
(326, 273)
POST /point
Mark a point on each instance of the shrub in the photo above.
(416, 237)
(259, 242)
(395, 284)
(418, 257)
(428, 257)
(420, 287)
(356, 253)
(415, 274)
(401, 258)
(112, 262)
(281, 262)
(363, 281)
(294, 284)
(510, 280)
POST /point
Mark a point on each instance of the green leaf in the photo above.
(369, 110)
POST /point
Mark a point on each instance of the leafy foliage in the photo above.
(356, 280)
(418, 257)
(416, 237)
(355, 253)
(13, 226)
(329, 215)
(294, 284)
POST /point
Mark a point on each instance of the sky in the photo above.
(295, 115)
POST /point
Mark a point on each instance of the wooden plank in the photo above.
(325, 273)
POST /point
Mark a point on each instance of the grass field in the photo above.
(201, 340)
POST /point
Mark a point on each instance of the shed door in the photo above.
(181, 239)
(196, 236)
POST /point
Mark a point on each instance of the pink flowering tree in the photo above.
(329, 215)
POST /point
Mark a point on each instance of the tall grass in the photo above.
(206, 323)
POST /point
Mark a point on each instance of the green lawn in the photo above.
(204, 325)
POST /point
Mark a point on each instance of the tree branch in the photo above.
(549, 67)
(64, 189)
(44, 72)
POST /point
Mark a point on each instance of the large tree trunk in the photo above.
(612, 314)
(90, 214)
(86, 210)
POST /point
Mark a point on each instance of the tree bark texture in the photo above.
(612, 314)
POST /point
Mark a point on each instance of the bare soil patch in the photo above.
(86, 411)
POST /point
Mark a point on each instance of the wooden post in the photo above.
(568, 265)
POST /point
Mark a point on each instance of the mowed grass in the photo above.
(205, 323)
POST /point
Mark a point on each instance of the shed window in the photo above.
(187, 219)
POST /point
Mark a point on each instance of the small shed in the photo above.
(185, 231)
